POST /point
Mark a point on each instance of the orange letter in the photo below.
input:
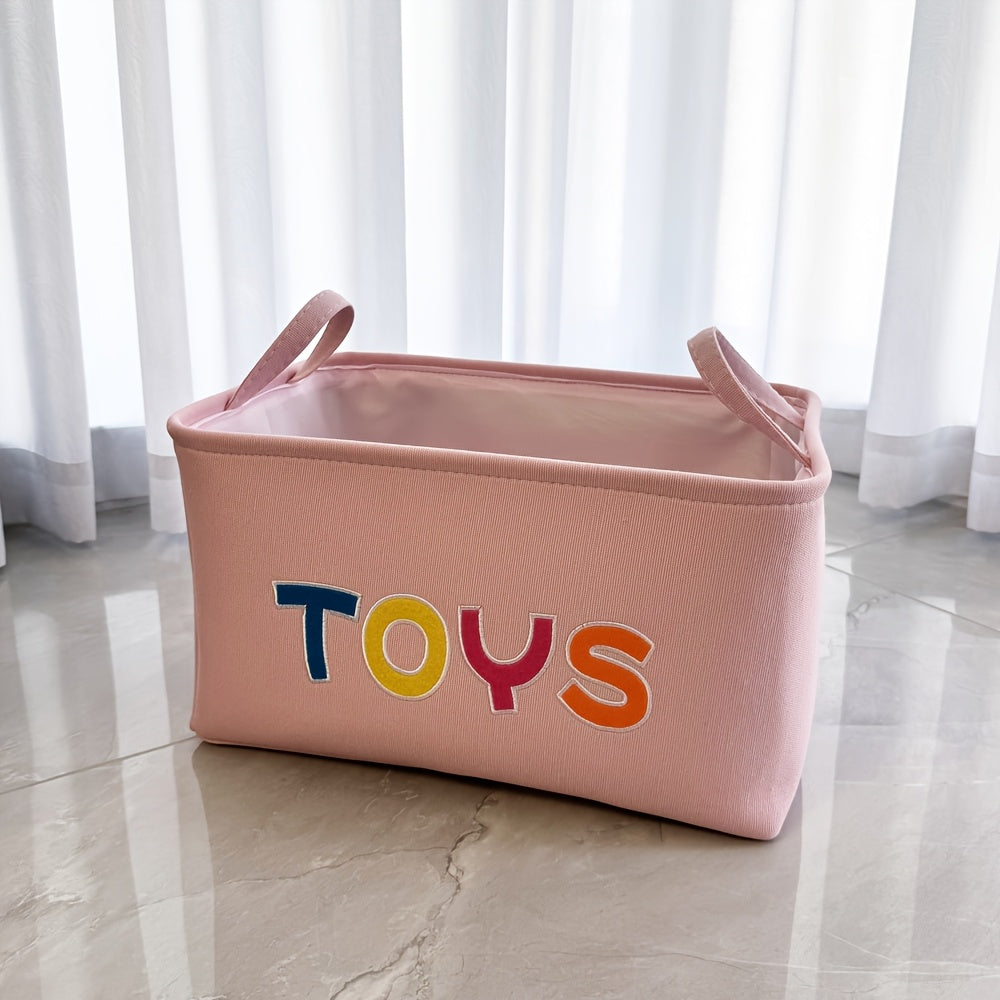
(583, 656)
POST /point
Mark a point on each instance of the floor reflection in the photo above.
(96, 648)
(111, 894)
(142, 711)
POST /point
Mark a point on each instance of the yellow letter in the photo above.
(404, 608)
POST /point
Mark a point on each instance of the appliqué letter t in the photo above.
(316, 599)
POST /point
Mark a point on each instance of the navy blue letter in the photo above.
(316, 599)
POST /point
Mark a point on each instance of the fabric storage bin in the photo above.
(598, 583)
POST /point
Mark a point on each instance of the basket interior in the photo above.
(579, 421)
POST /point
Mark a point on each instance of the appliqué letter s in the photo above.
(583, 652)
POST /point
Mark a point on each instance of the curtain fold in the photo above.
(157, 261)
(561, 180)
(46, 473)
(936, 375)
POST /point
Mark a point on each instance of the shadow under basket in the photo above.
(599, 583)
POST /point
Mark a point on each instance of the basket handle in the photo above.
(325, 309)
(735, 384)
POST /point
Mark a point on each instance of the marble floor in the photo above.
(138, 862)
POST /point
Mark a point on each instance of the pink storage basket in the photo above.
(598, 583)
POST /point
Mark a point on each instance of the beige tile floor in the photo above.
(140, 863)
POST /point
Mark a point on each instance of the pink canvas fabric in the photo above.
(603, 584)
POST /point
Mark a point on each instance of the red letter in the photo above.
(583, 657)
(504, 675)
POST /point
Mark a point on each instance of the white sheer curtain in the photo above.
(585, 182)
